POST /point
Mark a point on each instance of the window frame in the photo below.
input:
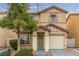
(53, 20)
(23, 39)
(33, 17)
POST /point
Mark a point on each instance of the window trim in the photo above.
(33, 17)
(27, 39)
(53, 21)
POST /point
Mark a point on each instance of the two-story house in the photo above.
(50, 33)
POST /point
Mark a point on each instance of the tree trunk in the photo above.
(28, 37)
(18, 37)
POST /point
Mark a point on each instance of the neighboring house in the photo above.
(73, 27)
(50, 33)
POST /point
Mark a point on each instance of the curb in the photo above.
(75, 51)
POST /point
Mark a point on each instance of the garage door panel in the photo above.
(56, 42)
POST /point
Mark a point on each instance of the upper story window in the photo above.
(33, 17)
(53, 18)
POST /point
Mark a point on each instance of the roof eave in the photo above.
(57, 27)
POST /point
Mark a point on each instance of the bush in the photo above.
(25, 52)
(14, 43)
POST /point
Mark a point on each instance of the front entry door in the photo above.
(40, 40)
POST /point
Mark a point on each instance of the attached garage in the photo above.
(54, 37)
(56, 42)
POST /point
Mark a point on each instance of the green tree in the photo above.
(18, 19)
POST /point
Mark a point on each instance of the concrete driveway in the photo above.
(57, 52)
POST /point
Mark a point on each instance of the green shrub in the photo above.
(14, 43)
(25, 52)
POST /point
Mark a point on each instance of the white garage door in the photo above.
(56, 42)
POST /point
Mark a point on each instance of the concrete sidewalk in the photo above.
(40, 52)
(61, 52)
(57, 52)
(75, 50)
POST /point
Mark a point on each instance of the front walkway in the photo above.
(40, 52)
(57, 52)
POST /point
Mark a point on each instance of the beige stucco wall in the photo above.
(56, 30)
(6, 34)
(46, 41)
(73, 27)
(45, 16)
(34, 41)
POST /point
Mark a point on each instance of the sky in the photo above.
(71, 7)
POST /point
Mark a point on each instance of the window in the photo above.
(24, 40)
(33, 17)
(53, 18)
